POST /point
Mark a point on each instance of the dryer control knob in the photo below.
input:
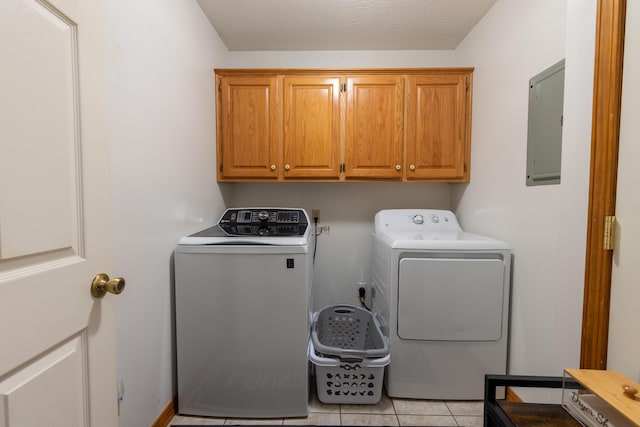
(418, 219)
(435, 219)
(263, 215)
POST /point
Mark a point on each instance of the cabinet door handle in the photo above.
(273, 167)
(287, 167)
(398, 167)
(412, 167)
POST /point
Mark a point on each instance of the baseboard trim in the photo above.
(166, 415)
(511, 396)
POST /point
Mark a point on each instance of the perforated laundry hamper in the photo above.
(349, 354)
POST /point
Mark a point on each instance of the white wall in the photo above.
(545, 225)
(341, 59)
(162, 130)
(624, 345)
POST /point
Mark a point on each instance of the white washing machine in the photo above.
(443, 297)
(242, 300)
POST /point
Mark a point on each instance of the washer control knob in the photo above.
(418, 219)
(435, 219)
(263, 215)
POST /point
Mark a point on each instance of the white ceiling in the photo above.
(343, 24)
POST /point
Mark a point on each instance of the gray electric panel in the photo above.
(544, 134)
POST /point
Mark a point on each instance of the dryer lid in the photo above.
(441, 241)
(429, 229)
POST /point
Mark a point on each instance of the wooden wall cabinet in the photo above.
(374, 127)
(249, 128)
(344, 125)
(311, 127)
(438, 130)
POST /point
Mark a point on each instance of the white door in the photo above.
(57, 342)
(624, 336)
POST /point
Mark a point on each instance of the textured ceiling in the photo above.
(344, 24)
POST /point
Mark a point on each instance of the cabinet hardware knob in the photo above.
(398, 167)
(273, 167)
(629, 390)
(412, 167)
(287, 167)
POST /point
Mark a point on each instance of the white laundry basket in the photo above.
(349, 332)
(349, 353)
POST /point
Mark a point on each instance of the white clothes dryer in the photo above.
(442, 295)
(242, 300)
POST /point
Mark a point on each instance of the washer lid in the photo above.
(217, 236)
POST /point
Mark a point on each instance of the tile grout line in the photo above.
(395, 411)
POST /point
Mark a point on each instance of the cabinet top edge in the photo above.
(341, 71)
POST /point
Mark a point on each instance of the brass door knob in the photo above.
(398, 167)
(287, 167)
(101, 284)
(273, 167)
(412, 167)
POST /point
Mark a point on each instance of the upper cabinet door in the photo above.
(249, 128)
(311, 127)
(374, 127)
(438, 127)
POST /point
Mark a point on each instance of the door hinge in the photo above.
(220, 87)
(609, 232)
(466, 85)
(343, 87)
(342, 168)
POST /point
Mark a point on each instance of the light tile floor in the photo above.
(388, 412)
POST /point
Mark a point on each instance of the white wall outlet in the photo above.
(323, 229)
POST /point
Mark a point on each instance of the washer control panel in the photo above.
(264, 221)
